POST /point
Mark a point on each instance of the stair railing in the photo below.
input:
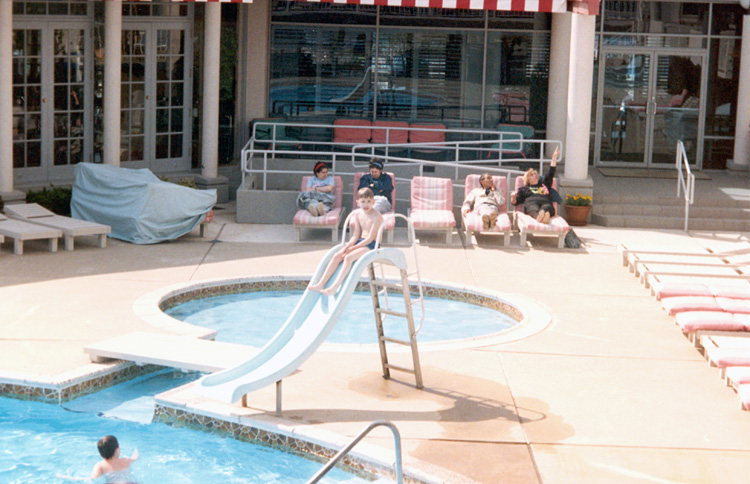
(340, 455)
(685, 180)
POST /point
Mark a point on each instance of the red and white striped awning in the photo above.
(508, 5)
(503, 5)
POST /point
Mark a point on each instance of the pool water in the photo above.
(39, 441)
(252, 318)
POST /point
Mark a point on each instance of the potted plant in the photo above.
(577, 208)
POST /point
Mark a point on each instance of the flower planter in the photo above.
(576, 215)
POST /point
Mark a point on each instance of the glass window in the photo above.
(645, 17)
(517, 78)
(503, 19)
(323, 13)
(431, 75)
(431, 17)
(723, 85)
(727, 19)
(322, 71)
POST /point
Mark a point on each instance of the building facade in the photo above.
(172, 86)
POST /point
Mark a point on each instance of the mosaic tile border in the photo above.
(203, 291)
(248, 433)
(59, 393)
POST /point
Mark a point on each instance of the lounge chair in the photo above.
(692, 322)
(674, 288)
(675, 305)
(351, 131)
(329, 221)
(383, 136)
(432, 205)
(390, 222)
(21, 231)
(70, 227)
(630, 256)
(431, 134)
(527, 225)
(473, 222)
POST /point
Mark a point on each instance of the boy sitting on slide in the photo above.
(366, 222)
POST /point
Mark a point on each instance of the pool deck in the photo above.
(610, 392)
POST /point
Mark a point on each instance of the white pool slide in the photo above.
(311, 321)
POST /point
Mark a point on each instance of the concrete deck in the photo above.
(611, 392)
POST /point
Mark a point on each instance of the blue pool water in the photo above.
(39, 441)
(252, 318)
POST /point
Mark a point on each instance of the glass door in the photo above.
(156, 93)
(647, 101)
(52, 117)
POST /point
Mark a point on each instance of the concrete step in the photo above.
(696, 212)
(674, 223)
(669, 201)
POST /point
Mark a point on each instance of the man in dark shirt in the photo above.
(380, 184)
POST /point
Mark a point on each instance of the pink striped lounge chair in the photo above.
(390, 223)
(473, 222)
(432, 205)
(527, 225)
(329, 221)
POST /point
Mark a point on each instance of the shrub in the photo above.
(56, 199)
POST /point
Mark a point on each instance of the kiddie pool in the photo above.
(527, 317)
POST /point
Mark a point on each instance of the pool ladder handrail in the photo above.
(412, 238)
(342, 453)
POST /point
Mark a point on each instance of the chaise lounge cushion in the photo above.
(432, 203)
(473, 221)
(692, 321)
(330, 218)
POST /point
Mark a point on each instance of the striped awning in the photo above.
(507, 5)
(503, 5)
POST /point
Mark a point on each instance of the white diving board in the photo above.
(183, 352)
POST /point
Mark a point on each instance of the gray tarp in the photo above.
(138, 206)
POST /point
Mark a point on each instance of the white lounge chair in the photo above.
(20, 231)
(69, 227)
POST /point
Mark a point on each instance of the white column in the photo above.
(112, 80)
(6, 95)
(210, 100)
(577, 136)
(559, 63)
(741, 159)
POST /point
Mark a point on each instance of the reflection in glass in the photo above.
(176, 146)
(61, 98)
(61, 71)
(177, 89)
(34, 154)
(61, 152)
(61, 42)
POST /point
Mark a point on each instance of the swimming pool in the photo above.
(39, 441)
(252, 318)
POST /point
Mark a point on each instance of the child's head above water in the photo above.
(107, 446)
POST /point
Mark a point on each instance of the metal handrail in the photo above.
(340, 455)
(684, 183)
(378, 240)
(490, 141)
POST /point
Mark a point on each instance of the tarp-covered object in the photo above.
(138, 206)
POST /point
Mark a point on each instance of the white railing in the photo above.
(490, 154)
(685, 180)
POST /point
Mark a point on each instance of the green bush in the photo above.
(56, 199)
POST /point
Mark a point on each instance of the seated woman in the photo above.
(318, 198)
(380, 184)
(537, 195)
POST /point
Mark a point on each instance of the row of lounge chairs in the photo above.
(708, 293)
(432, 210)
(30, 221)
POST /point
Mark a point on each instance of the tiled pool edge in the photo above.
(66, 387)
(316, 444)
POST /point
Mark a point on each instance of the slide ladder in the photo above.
(379, 286)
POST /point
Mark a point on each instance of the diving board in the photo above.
(182, 352)
(311, 321)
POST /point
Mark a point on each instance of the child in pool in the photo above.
(114, 468)
(366, 222)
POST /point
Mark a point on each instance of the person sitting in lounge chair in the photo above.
(538, 195)
(318, 198)
(381, 186)
(484, 201)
